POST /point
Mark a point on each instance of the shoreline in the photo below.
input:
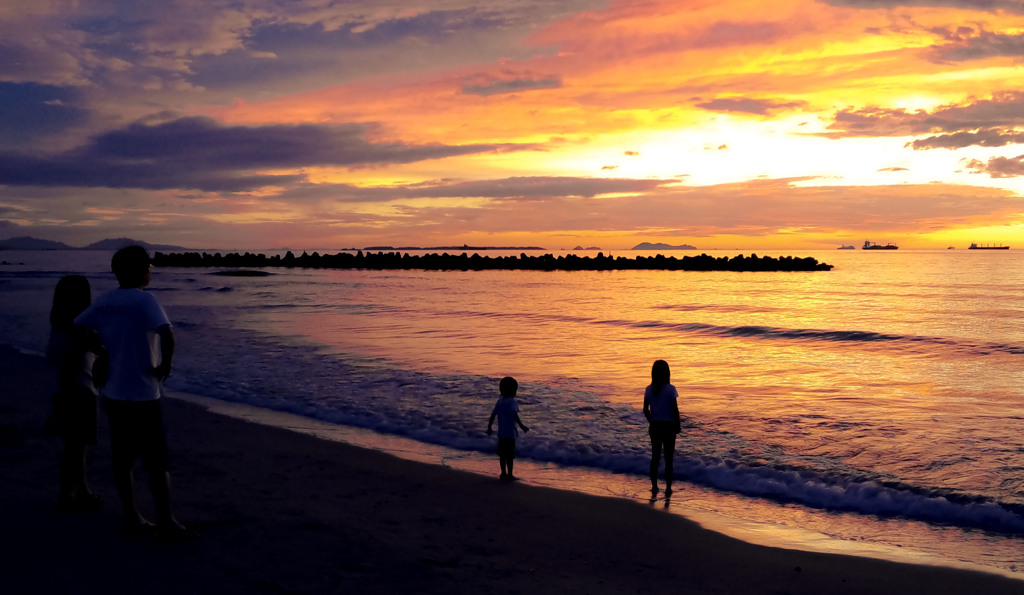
(691, 502)
(280, 511)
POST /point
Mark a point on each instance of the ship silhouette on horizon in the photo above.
(868, 245)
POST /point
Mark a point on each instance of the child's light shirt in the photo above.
(505, 410)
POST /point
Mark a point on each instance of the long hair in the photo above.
(660, 374)
(70, 298)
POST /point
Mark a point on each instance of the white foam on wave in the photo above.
(451, 411)
(864, 497)
(742, 518)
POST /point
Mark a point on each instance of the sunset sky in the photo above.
(346, 123)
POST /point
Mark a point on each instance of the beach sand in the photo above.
(282, 512)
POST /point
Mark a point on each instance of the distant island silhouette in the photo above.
(462, 247)
(30, 243)
(464, 262)
(650, 246)
(113, 244)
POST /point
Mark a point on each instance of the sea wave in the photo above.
(451, 410)
(908, 342)
(780, 484)
(853, 494)
(899, 342)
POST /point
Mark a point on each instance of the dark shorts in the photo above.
(663, 434)
(137, 431)
(74, 416)
(507, 448)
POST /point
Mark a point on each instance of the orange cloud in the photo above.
(798, 118)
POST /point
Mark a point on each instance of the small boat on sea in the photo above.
(987, 247)
(873, 246)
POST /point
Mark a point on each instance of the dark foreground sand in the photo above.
(282, 512)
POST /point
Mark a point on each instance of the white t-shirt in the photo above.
(505, 410)
(127, 320)
(661, 401)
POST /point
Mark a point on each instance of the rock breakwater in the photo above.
(465, 262)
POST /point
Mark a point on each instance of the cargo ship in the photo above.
(873, 246)
(987, 247)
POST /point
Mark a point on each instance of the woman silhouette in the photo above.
(74, 405)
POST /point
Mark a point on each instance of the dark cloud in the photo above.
(985, 5)
(31, 111)
(761, 107)
(182, 52)
(203, 142)
(999, 167)
(202, 154)
(877, 121)
(959, 140)
(1002, 111)
(279, 56)
(512, 86)
(358, 33)
(276, 51)
(429, 26)
(89, 171)
(20, 62)
(970, 46)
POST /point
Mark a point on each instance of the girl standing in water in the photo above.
(662, 411)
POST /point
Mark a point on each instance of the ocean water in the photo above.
(877, 408)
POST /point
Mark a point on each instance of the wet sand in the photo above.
(283, 512)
